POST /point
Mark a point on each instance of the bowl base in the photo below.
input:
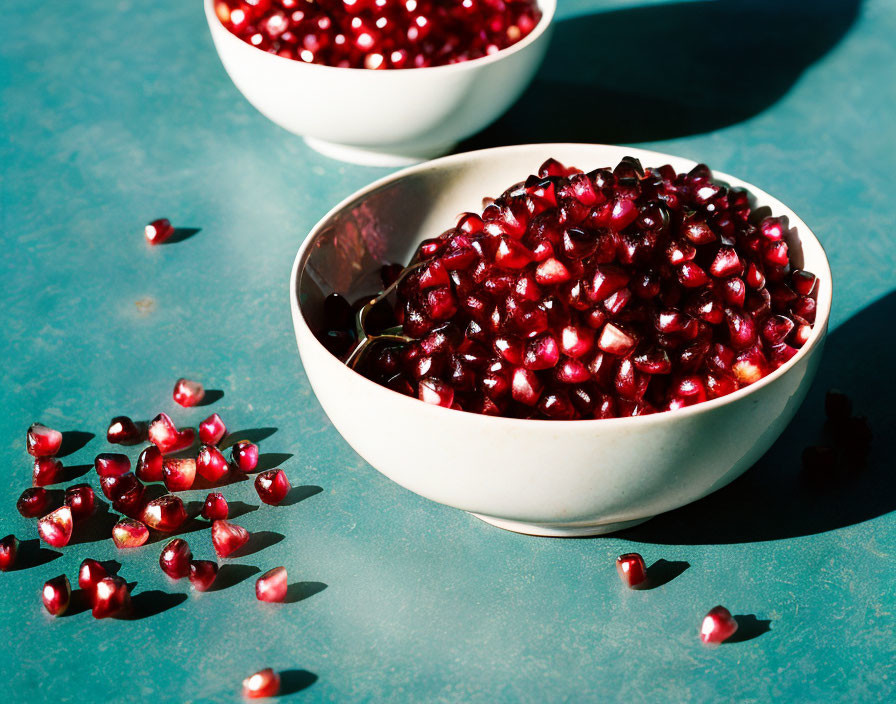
(372, 157)
(560, 530)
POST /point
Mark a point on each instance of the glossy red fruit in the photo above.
(56, 595)
(165, 435)
(9, 552)
(215, 507)
(179, 474)
(129, 533)
(175, 558)
(33, 502)
(228, 537)
(165, 514)
(158, 231)
(81, 499)
(212, 430)
(203, 574)
(271, 586)
(47, 470)
(90, 574)
(718, 625)
(42, 441)
(272, 486)
(632, 570)
(112, 464)
(111, 597)
(55, 529)
(149, 464)
(123, 431)
(265, 683)
(433, 391)
(188, 393)
(211, 464)
(244, 455)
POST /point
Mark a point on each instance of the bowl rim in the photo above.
(819, 327)
(548, 10)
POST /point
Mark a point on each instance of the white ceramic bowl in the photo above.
(387, 118)
(560, 478)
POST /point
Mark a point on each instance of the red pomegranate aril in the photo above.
(576, 341)
(776, 328)
(228, 537)
(114, 486)
(215, 507)
(718, 626)
(211, 464)
(56, 595)
(631, 569)
(80, 498)
(129, 533)
(203, 574)
(525, 386)
(165, 514)
(692, 276)
(803, 282)
(264, 683)
(33, 502)
(188, 393)
(89, 575)
(9, 552)
(615, 340)
(734, 292)
(652, 361)
(542, 352)
(178, 474)
(42, 441)
(837, 405)
(110, 597)
(572, 371)
(110, 464)
(433, 391)
(212, 430)
(273, 486)
(244, 456)
(754, 277)
(749, 366)
(726, 263)
(607, 280)
(149, 464)
(741, 329)
(55, 529)
(551, 272)
(163, 433)
(47, 470)
(271, 586)
(175, 558)
(773, 229)
(158, 231)
(123, 431)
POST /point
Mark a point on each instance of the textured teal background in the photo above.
(117, 113)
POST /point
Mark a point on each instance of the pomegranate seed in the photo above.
(718, 626)
(215, 507)
(271, 586)
(123, 431)
(525, 387)
(244, 455)
(179, 474)
(228, 537)
(803, 282)
(175, 559)
(165, 514)
(81, 500)
(542, 352)
(616, 341)
(110, 597)
(129, 533)
(149, 464)
(211, 464)
(109, 464)
(42, 441)
(47, 470)
(9, 551)
(56, 528)
(211, 430)
(203, 574)
(89, 575)
(163, 433)
(632, 570)
(33, 502)
(56, 595)
(776, 328)
(273, 486)
(837, 405)
(265, 683)
(431, 391)
(188, 393)
(158, 231)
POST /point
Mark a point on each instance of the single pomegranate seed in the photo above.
(431, 391)
(42, 441)
(56, 595)
(110, 597)
(837, 405)
(211, 430)
(615, 340)
(47, 470)
(718, 626)
(271, 586)
(126, 492)
(9, 552)
(203, 574)
(803, 282)
(55, 529)
(244, 455)
(89, 575)
(158, 231)
(228, 537)
(175, 559)
(123, 431)
(211, 464)
(215, 507)
(166, 514)
(632, 570)
(110, 464)
(129, 533)
(149, 464)
(525, 387)
(265, 683)
(81, 499)
(165, 435)
(179, 474)
(273, 486)
(188, 393)
(33, 502)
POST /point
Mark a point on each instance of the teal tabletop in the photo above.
(115, 114)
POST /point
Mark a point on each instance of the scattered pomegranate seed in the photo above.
(244, 455)
(165, 435)
(837, 405)
(42, 441)
(56, 595)
(158, 231)
(126, 492)
(211, 464)
(55, 529)
(718, 625)
(149, 464)
(47, 470)
(203, 574)
(175, 559)
(166, 514)
(123, 431)
(179, 474)
(632, 570)
(129, 533)
(81, 499)
(9, 551)
(215, 507)
(110, 597)
(228, 537)
(271, 586)
(33, 502)
(211, 430)
(188, 393)
(111, 464)
(89, 575)
(272, 486)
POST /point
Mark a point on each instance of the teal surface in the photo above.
(117, 113)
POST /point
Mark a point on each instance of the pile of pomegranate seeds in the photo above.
(380, 34)
(609, 294)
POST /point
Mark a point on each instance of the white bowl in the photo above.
(542, 477)
(386, 118)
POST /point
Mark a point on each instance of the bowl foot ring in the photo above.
(372, 157)
(560, 530)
